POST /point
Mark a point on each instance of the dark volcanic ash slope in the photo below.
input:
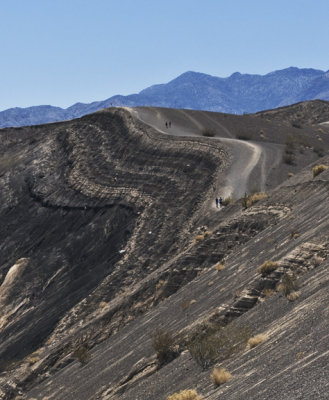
(108, 234)
(88, 209)
(290, 227)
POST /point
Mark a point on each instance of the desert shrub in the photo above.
(220, 376)
(297, 124)
(210, 342)
(227, 201)
(244, 200)
(319, 151)
(294, 235)
(161, 284)
(208, 133)
(82, 354)
(256, 340)
(198, 238)
(244, 136)
(318, 169)
(249, 200)
(293, 295)
(289, 159)
(33, 358)
(256, 197)
(163, 342)
(289, 283)
(267, 267)
(268, 292)
(185, 395)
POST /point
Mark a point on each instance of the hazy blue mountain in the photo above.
(239, 93)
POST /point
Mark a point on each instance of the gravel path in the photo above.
(251, 163)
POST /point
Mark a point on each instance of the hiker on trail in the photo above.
(169, 124)
(216, 202)
(220, 202)
(166, 124)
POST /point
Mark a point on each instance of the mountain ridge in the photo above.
(236, 94)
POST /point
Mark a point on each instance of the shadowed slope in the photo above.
(93, 205)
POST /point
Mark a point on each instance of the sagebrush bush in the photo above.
(220, 376)
(211, 342)
(289, 283)
(163, 342)
(256, 340)
(82, 354)
(185, 395)
(318, 169)
(289, 159)
(267, 267)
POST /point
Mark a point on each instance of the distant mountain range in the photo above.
(237, 94)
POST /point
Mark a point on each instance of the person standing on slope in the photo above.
(216, 202)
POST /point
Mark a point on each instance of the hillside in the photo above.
(236, 94)
(110, 231)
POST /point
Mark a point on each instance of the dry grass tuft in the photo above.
(256, 340)
(219, 266)
(256, 197)
(268, 292)
(318, 169)
(185, 395)
(201, 237)
(220, 376)
(102, 304)
(160, 284)
(249, 200)
(33, 358)
(267, 267)
(292, 296)
(294, 235)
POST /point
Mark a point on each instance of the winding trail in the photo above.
(251, 162)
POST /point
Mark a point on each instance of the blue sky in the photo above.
(60, 52)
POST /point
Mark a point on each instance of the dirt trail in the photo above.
(250, 162)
